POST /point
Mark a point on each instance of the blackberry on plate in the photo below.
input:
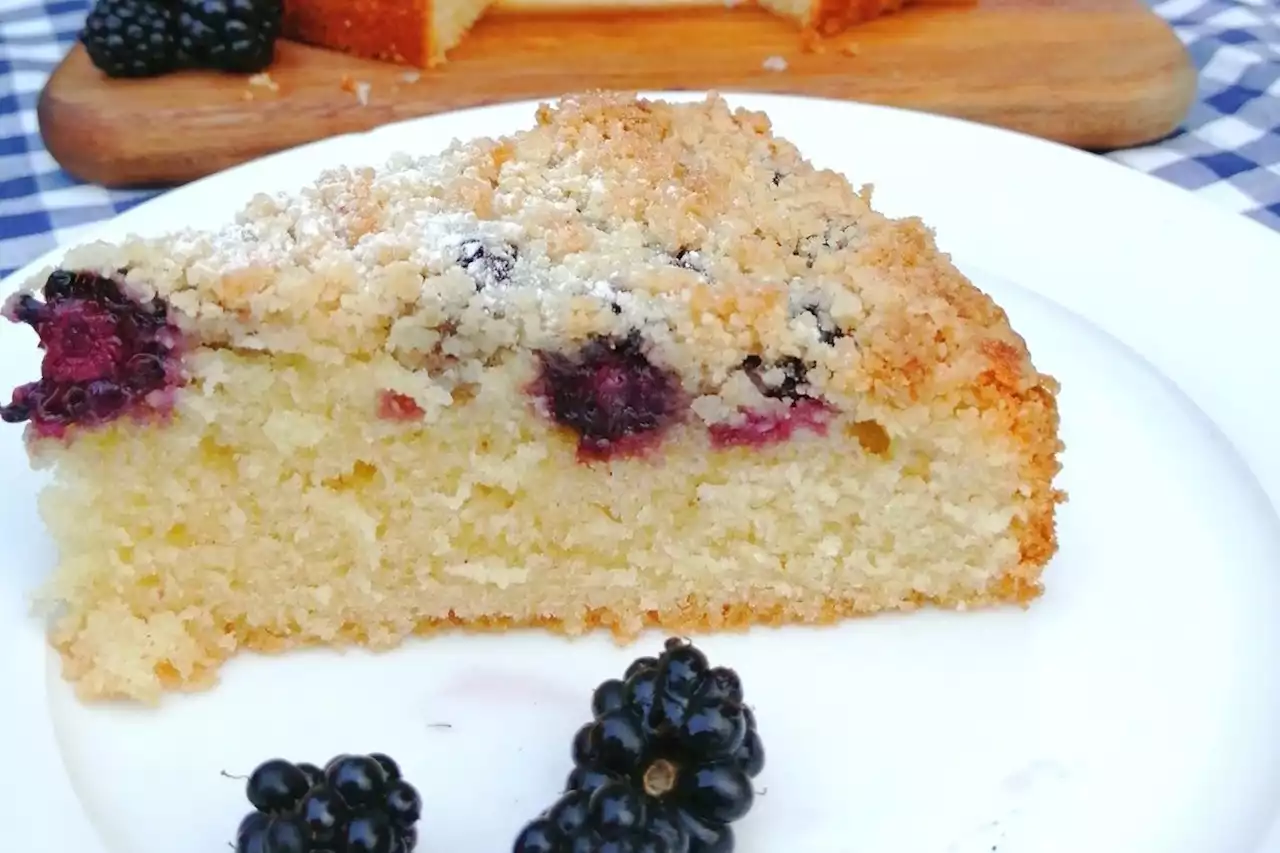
(229, 35)
(355, 804)
(130, 38)
(665, 766)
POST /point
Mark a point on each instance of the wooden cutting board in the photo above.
(1093, 73)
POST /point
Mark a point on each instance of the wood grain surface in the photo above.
(1098, 74)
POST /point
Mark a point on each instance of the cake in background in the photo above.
(421, 32)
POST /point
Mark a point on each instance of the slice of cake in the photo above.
(641, 365)
(413, 32)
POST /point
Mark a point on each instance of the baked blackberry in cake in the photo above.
(639, 365)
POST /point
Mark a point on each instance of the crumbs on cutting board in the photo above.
(774, 63)
(359, 88)
(264, 80)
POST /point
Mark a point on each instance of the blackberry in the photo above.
(610, 394)
(488, 264)
(130, 38)
(229, 35)
(791, 386)
(356, 804)
(665, 766)
(276, 787)
(105, 354)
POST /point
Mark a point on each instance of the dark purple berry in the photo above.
(583, 778)
(404, 806)
(276, 786)
(252, 832)
(717, 727)
(324, 813)
(569, 813)
(130, 38)
(287, 835)
(617, 741)
(610, 395)
(359, 780)
(665, 767)
(722, 683)
(229, 35)
(314, 774)
(27, 309)
(750, 755)
(638, 665)
(538, 837)
(582, 744)
(388, 765)
(706, 837)
(616, 809)
(609, 696)
(407, 839)
(104, 354)
(370, 832)
(718, 793)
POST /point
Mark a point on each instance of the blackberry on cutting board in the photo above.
(130, 38)
(665, 767)
(229, 35)
(355, 804)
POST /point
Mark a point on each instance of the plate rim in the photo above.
(1175, 221)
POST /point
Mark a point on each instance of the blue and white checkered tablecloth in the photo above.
(1227, 151)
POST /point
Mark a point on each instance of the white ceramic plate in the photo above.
(1134, 709)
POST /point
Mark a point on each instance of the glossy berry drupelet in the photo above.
(130, 38)
(276, 786)
(355, 804)
(229, 35)
(665, 767)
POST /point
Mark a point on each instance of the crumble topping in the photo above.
(689, 225)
